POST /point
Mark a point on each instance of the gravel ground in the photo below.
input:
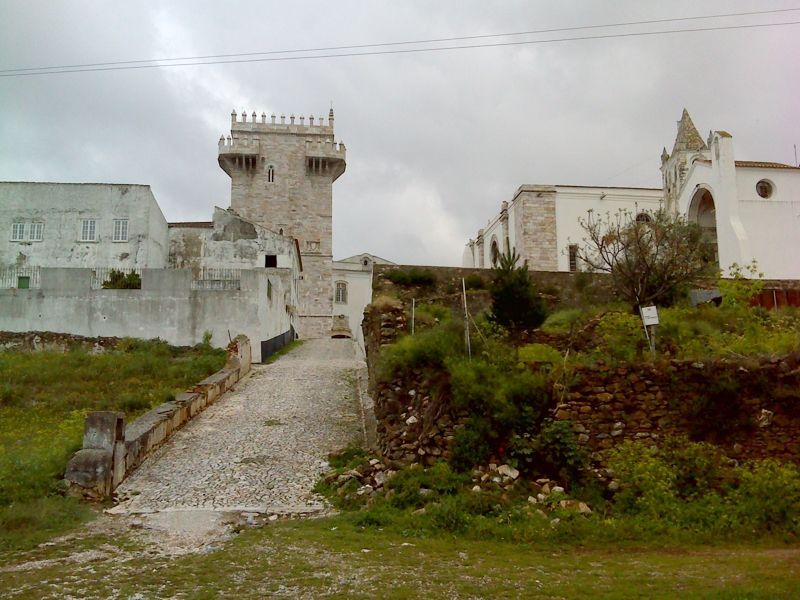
(261, 448)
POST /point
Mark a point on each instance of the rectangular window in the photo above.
(17, 232)
(270, 261)
(573, 257)
(23, 283)
(89, 230)
(36, 232)
(341, 292)
(120, 230)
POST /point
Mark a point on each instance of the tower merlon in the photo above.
(294, 125)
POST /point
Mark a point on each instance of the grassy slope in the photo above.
(43, 399)
(331, 558)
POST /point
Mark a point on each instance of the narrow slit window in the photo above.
(270, 174)
(573, 257)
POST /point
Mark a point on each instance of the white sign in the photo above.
(649, 315)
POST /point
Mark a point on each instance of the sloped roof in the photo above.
(688, 137)
(763, 165)
(198, 224)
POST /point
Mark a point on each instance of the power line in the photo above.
(406, 42)
(123, 67)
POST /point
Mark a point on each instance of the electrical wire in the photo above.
(123, 67)
(407, 42)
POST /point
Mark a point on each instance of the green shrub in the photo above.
(471, 445)
(623, 336)
(647, 482)
(435, 312)
(552, 451)
(562, 321)
(429, 348)
(768, 496)
(698, 466)
(439, 479)
(720, 411)
(118, 280)
(474, 282)
(411, 277)
(532, 353)
(449, 514)
(516, 306)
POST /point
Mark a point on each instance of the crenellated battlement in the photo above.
(273, 122)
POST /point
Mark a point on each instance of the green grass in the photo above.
(334, 558)
(44, 398)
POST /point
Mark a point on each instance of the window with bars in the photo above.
(89, 230)
(573, 257)
(120, 230)
(17, 232)
(341, 292)
(36, 233)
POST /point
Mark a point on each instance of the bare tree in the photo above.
(652, 258)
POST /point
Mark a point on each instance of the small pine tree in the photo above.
(516, 306)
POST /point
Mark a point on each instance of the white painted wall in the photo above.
(748, 226)
(166, 307)
(62, 208)
(574, 203)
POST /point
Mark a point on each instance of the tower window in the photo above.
(573, 257)
(120, 230)
(17, 232)
(89, 230)
(341, 292)
(764, 188)
(270, 173)
(271, 261)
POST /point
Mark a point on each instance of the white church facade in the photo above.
(749, 210)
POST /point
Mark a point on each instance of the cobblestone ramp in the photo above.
(260, 448)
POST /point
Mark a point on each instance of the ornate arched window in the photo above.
(643, 217)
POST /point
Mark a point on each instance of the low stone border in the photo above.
(111, 451)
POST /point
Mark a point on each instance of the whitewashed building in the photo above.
(352, 282)
(81, 225)
(749, 210)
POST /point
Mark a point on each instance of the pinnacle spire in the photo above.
(688, 137)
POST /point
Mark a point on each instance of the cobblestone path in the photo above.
(261, 447)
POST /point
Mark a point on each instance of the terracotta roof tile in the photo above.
(763, 165)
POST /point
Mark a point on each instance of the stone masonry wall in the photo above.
(750, 409)
(538, 241)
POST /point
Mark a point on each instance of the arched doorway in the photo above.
(703, 212)
(495, 253)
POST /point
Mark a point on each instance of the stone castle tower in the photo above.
(282, 173)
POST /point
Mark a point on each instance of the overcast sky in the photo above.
(435, 141)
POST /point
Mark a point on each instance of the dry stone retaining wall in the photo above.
(751, 409)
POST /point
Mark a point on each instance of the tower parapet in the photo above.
(295, 124)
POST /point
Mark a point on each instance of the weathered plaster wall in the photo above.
(166, 307)
(61, 207)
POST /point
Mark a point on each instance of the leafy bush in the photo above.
(648, 483)
(432, 313)
(474, 282)
(562, 321)
(768, 496)
(429, 348)
(698, 466)
(439, 479)
(118, 280)
(411, 277)
(720, 411)
(532, 353)
(622, 335)
(553, 451)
